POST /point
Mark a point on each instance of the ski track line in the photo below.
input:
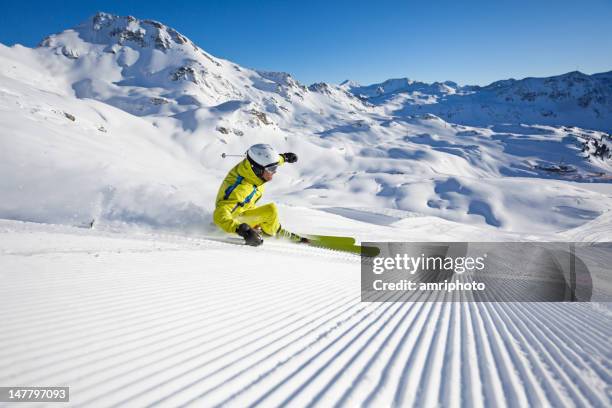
(129, 360)
(120, 313)
(76, 274)
(135, 287)
(351, 354)
(579, 317)
(164, 332)
(572, 366)
(57, 293)
(277, 360)
(88, 252)
(119, 307)
(429, 391)
(274, 355)
(137, 318)
(374, 368)
(471, 382)
(541, 383)
(242, 397)
(584, 350)
(362, 359)
(274, 317)
(280, 320)
(227, 353)
(492, 389)
(416, 369)
(554, 360)
(310, 364)
(391, 377)
(515, 374)
(449, 393)
(552, 370)
(140, 346)
(505, 359)
(160, 290)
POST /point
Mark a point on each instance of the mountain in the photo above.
(147, 68)
(386, 89)
(573, 99)
(124, 121)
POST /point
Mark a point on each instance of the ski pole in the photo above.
(224, 155)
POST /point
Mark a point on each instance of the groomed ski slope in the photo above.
(130, 318)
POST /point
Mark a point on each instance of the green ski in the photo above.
(338, 243)
(331, 238)
(341, 244)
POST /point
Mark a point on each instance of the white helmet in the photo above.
(262, 154)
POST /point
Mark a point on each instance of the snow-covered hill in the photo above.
(124, 121)
(572, 99)
(153, 319)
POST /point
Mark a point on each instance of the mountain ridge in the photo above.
(152, 55)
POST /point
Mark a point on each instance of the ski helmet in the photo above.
(262, 157)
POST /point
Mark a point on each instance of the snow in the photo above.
(123, 122)
(133, 318)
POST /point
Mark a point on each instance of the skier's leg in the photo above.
(283, 233)
(265, 217)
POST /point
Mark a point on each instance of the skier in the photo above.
(243, 186)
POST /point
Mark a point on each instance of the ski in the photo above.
(343, 245)
(331, 242)
(338, 243)
(330, 238)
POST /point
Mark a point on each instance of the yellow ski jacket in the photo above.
(240, 191)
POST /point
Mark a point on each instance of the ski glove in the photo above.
(289, 157)
(251, 237)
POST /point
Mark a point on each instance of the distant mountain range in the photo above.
(569, 99)
(145, 67)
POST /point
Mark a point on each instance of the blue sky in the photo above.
(468, 41)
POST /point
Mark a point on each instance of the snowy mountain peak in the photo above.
(109, 29)
(349, 84)
(400, 85)
(281, 78)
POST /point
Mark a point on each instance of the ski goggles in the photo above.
(271, 167)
